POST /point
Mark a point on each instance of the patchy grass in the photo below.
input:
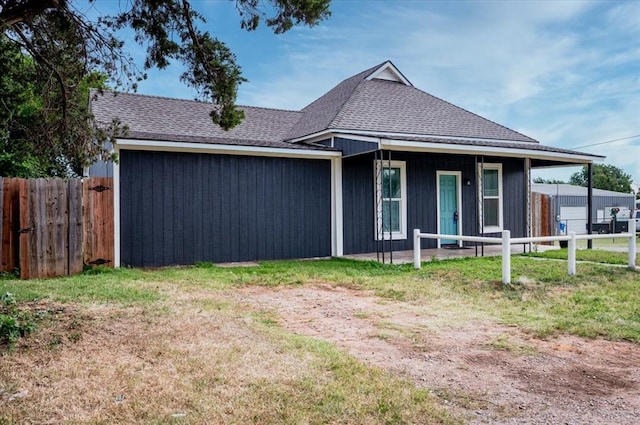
(177, 344)
(599, 301)
(506, 342)
(223, 366)
(99, 284)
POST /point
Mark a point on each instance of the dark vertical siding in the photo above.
(514, 210)
(179, 208)
(352, 147)
(358, 197)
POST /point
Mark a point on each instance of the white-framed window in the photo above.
(491, 197)
(390, 200)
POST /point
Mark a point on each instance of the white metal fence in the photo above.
(506, 241)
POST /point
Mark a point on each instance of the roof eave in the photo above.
(378, 134)
(217, 148)
(411, 146)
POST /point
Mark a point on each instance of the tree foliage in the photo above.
(51, 53)
(605, 176)
(44, 132)
(548, 181)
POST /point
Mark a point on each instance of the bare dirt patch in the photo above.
(487, 372)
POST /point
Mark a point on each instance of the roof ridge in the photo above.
(360, 75)
(323, 111)
(119, 93)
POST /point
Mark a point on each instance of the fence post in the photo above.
(571, 254)
(506, 256)
(416, 249)
(632, 243)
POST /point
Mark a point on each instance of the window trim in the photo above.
(500, 197)
(377, 198)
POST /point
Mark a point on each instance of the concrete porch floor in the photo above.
(404, 257)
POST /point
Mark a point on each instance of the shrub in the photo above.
(13, 323)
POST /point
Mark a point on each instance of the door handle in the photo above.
(455, 216)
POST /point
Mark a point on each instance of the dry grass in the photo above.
(200, 358)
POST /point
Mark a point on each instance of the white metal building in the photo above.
(571, 205)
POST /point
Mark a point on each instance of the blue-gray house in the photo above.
(353, 172)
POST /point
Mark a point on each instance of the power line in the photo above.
(607, 141)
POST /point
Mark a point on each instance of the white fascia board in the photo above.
(403, 145)
(116, 210)
(546, 167)
(164, 146)
(337, 229)
(321, 135)
(432, 136)
(347, 134)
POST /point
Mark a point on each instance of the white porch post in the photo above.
(416, 249)
(336, 208)
(571, 254)
(116, 209)
(632, 243)
(506, 256)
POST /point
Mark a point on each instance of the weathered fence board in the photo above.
(1, 223)
(50, 226)
(44, 222)
(98, 221)
(26, 222)
(10, 224)
(75, 228)
(542, 215)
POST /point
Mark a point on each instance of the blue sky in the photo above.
(566, 73)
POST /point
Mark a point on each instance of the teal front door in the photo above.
(448, 206)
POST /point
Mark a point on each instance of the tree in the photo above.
(605, 176)
(36, 140)
(66, 48)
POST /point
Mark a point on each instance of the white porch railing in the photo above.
(506, 241)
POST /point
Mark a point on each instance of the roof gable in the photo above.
(388, 71)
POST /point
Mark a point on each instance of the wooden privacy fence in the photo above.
(52, 227)
(543, 220)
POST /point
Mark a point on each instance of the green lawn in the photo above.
(599, 301)
(176, 340)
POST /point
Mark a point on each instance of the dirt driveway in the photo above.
(487, 372)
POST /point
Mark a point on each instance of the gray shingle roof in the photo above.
(177, 120)
(380, 107)
(319, 115)
(388, 106)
